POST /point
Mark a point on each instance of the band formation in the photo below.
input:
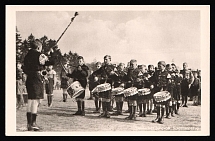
(162, 89)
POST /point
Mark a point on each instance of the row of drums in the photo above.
(75, 89)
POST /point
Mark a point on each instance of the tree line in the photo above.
(23, 46)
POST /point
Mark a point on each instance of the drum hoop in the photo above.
(77, 93)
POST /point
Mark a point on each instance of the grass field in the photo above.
(59, 118)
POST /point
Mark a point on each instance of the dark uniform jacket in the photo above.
(80, 75)
(92, 84)
(133, 75)
(161, 79)
(32, 68)
(104, 75)
(120, 78)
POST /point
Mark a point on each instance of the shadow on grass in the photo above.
(56, 113)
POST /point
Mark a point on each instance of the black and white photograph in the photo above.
(107, 70)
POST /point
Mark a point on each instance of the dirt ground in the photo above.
(59, 118)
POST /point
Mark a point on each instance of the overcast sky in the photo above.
(147, 36)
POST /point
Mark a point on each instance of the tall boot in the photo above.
(51, 100)
(185, 101)
(183, 97)
(108, 109)
(104, 109)
(130, 112)
(167, 111)
(83, 108)
(29, 121)
(100, 103)
(161, 117)
(48, 99)
(144, 109)
(33, 123)
(64, 97)
(79, 108)
(141, 110)
(134, 112)
(120, 107)
(117, 108)
(158, 109)
(96, 104)
(172, 110)
(177, 107)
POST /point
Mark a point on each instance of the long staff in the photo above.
(72, 19)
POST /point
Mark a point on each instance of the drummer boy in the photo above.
(105, 75)
(160, 79)
(80, 74)
(142, 99)
(134, 80)
(119, 81)
(92, 85)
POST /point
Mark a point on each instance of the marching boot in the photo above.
(100, 104)
(120, 107)
(141, 110)
(64, 97)
(167, 112)
(29, 121)
(83, 108)
(104, 109)
(183, 97)
(177, 108)
(96, 105)
(134, 112)
(79, 108)
(33, 123)
(158, 114)
(162, 114)
(185, 102)
(51, 100)
(108, 109)
(144, 109)
(130, 112)
(48, 99)
(172, 110)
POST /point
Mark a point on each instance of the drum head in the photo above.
(161, 93)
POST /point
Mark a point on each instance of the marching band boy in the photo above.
(105, 75)
(119, 81)
(64, 80)
(92, 85)
(150, 102)
(144, 83)
(160, 78)
(79, 74)
(134, 80)
(176, 79)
